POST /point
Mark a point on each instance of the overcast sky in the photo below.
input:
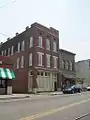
(70, 17)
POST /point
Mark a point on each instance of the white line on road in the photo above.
(52, 111)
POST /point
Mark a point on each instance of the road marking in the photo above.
(52, 111)
(82, 116)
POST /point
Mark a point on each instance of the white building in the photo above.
(83, 70)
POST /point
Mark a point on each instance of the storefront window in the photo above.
(2, 83)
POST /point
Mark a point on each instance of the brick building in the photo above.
(67, 67)
(36, 59)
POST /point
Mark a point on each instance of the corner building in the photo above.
(35, 53)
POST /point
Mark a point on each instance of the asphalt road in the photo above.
(62, 107)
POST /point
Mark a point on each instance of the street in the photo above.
(60, 107)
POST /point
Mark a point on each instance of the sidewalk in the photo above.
(23, 96)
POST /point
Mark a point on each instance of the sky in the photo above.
(70, 17)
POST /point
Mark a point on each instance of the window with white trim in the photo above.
(2, 53)
(18, 63)
(40, 57)
(5, 52)
(22, 62)
(30, 59)
(31, 42)
(48, 59)
(8, 51)
(71, 66)
(18, 47)
(47, 44)
(40, 41)
(62, 65)
(22, 45)
(12, 50)
(54, 46)
(67, 65)
(55, 61)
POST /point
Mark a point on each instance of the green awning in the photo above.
(6, 73)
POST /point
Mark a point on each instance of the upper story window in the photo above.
(8, 51)
(22, 62)
(40, 58)
(5, 52)
(71, 66)
(67, 65)
(62, 64)
(18, 47)
(23, 45)
(54, 46)
(18, 63)
(12, 50)
(55, 61)
(40, 41)
(2, 53)
(48, 60)
(47, 44)
(30, 59)
(31, 42)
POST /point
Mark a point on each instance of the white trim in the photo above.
(40, 41)
(40, 58)
(30, 59)
(48, 56)
(5, 52)
(47, 44)
(41, 53)
(2, 53)
(22, 61)
(55, 57)
(18, 47)
(8, 51)
(18, 63)
(54, 46)
(31, 41)
(22, 45)
(12, 50)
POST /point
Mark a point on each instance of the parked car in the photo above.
(88, 88)
(72, 89)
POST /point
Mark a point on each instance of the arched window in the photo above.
(63, 64)
(70, 65)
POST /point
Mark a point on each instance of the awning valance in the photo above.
(6, 73)
(68, 76)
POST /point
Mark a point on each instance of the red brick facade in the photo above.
(21, 82)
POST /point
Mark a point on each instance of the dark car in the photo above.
(72, 89)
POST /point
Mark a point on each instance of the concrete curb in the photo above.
(10, 98)
(29, 96)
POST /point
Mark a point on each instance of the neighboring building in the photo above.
(83, 71)
(36, 59)
(67, 67)
(6, 74)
